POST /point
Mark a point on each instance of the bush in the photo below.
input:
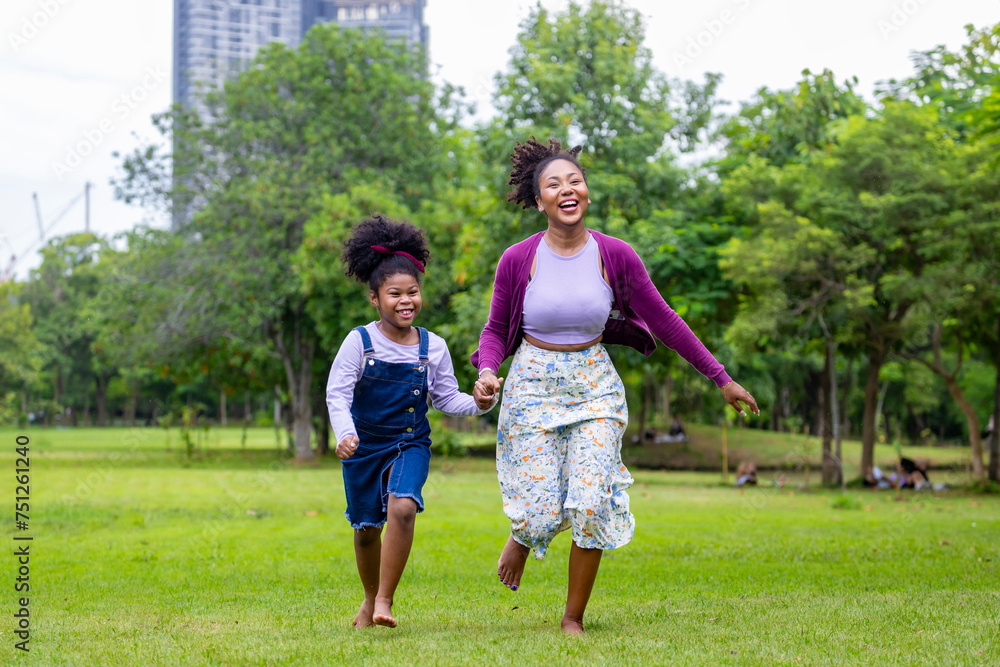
(844, 502)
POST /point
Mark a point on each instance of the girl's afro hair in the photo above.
(528, 160)
(373, 267)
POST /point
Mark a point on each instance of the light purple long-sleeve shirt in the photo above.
(638, 311)
(442, 386)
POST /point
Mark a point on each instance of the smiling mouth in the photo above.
(569, 205)
(405, 312)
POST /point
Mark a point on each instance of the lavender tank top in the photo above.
(567, 301)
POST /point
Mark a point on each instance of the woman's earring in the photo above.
(589, 202)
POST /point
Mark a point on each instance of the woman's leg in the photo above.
(395, 552)
(510, 567)
(367, 553)
(583, 565)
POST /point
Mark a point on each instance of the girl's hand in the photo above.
(487, 390)
(347, 447)
(484, 400)
(734, 393)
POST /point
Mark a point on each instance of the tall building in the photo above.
(404, 19)
(214, 38)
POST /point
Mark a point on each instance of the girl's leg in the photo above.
(395, 552)
(583, 565)
(367, 552)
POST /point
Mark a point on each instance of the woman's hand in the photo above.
(487, 390)
(347, 447)
(734, 393)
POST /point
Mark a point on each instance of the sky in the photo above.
(80, 79)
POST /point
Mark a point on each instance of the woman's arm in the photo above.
(493, 340)
(670, 328)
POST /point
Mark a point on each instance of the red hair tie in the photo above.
(386, 251)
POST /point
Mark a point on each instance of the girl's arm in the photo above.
(442, 386)
(344, 374)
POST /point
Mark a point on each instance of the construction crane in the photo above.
(43, 230)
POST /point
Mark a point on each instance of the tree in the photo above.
(20, 359)
(963, 88)
(297, 126)
(59, 292)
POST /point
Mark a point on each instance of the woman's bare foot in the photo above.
(510, 567)
(383, 613)
(364, 617)
(571, 626)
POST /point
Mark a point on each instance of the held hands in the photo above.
(487, 390)
(347, 447)
(734, 393)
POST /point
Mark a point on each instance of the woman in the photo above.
(557, 295)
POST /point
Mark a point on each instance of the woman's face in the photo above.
(564, 194)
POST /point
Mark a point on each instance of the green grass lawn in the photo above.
(143, 556)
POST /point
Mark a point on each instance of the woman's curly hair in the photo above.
(528, 160)
(373, 267)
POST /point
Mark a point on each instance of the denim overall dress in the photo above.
(394, 449)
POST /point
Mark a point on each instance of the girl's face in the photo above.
(564, 193)
(398, 300)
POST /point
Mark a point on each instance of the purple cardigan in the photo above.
(637, 309)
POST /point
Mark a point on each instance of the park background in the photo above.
(838, 252)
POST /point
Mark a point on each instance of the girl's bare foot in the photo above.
(510, 567)
(364, 617)
(571, 626)
(383, 613)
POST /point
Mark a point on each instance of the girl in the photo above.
(377, 397)
(564, 412)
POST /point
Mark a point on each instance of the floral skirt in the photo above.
(559, 441)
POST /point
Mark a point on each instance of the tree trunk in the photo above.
(831, 353)
(133, 402)
(85, 417)
(222, 407)
(668, 387)
(994, 472)
(322, 424)
(643, 409)
(298, 361)
(972, 419)
(951, 381)
(845, 426)
(868, 423)
(826, 422)
(102, 400)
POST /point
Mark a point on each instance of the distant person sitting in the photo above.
(676, 432)
(746, 474)
(913, 475)
(875, 479)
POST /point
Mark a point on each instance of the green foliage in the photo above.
(843, 502)
(20, 360)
